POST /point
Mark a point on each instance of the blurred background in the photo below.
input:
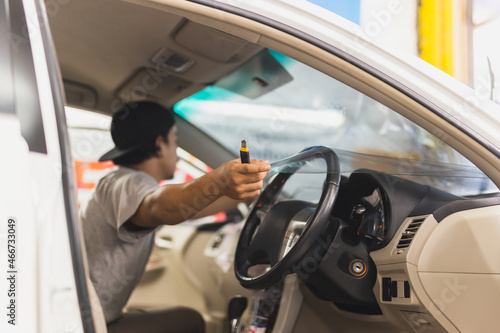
(457, 36)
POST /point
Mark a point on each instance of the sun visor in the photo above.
(208, 42)
(257, 77)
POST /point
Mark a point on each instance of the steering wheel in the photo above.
(261, 239)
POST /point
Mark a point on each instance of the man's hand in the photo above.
(240, 181)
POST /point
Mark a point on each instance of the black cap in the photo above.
(136, 124)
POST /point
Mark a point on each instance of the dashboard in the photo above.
(373, 206)
(368, 270)
(368, 211)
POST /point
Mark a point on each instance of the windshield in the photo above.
(281, 106)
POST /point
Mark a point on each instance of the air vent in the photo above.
(409, 233)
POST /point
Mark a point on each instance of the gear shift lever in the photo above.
(235, 309)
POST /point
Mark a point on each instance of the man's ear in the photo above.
(158, 142)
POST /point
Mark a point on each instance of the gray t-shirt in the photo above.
(116, 256)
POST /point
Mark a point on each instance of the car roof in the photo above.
(116, 51)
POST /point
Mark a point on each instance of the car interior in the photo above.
(349, 235)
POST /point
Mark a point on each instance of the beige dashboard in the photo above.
(441, 280)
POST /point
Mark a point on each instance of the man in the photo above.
(127, 206)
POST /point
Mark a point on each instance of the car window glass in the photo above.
(315, 109)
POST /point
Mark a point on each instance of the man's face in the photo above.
(169, 153)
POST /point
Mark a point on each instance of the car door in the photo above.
(444, 108)
(43, 282)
